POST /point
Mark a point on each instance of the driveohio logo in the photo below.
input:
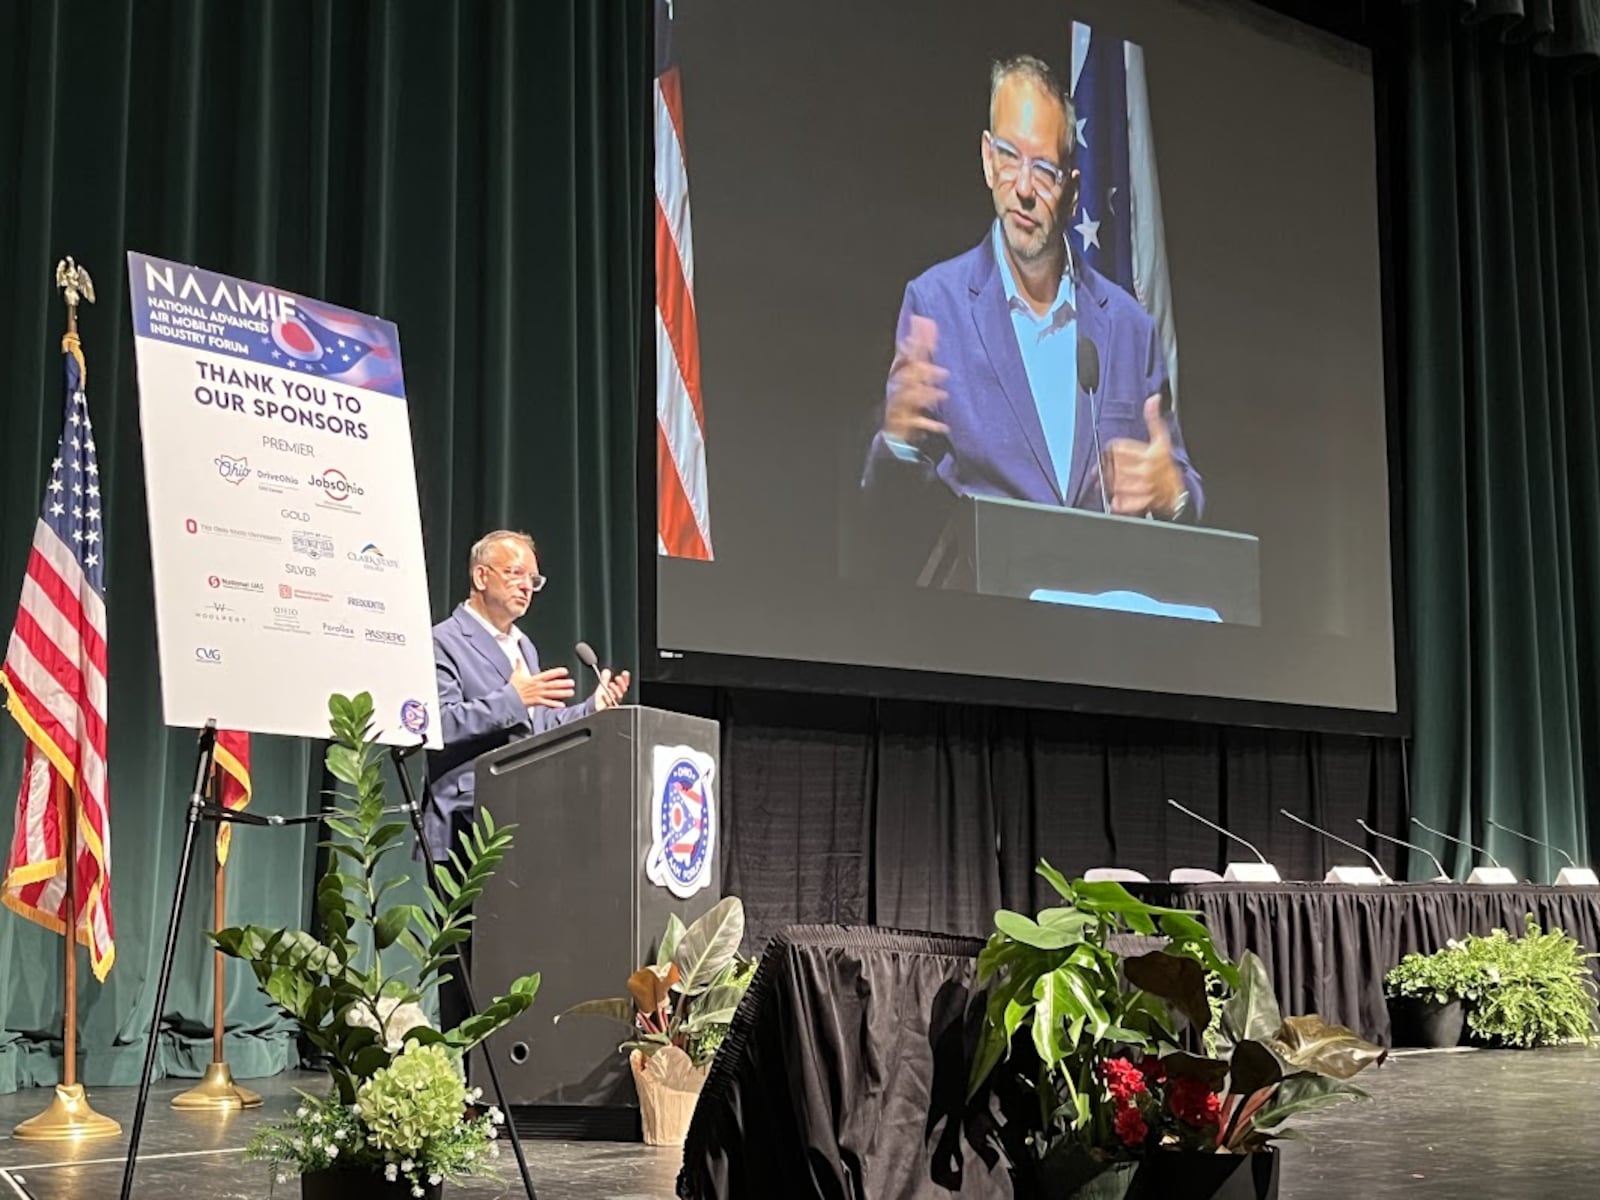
(386, 637)
(336, 485)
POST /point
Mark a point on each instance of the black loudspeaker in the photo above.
(595, 802)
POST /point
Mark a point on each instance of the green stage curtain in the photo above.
(475, 172)
(1502, 329)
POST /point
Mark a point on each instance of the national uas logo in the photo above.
(414, 717)
(682, 820)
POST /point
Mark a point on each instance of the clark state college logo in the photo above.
(683, 823)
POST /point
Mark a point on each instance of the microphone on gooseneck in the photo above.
(1442, 877)
(1439, 833)
(1089, 381)
(1545, 845)
(587, 656)
(1209, 824)
(1321, 832)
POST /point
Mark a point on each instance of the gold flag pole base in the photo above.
(217, 1092)
(68, 1119)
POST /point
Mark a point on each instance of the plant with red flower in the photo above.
(1192, 1101)
(1130, 1126)
(1123, 1080)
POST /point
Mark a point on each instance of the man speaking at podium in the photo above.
(492, 691)
(1019, 370)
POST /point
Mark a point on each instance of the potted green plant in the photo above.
(1538, 989)
(678, 1009)
(1067, 1020)
(1120, 1108)
(1213, 1118)
(1428, 993)
(398, 1119)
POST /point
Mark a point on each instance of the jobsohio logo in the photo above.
(337, 485)
(373, 559)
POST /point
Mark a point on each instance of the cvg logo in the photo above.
(336, 485)
(294, 516)
(209, 655)
(297, 569)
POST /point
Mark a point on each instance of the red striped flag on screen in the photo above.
(683, 520)
(54, 679)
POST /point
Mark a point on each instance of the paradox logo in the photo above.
(339, 630)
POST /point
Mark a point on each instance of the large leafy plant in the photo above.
(1537, 989)
(339, 987)
(1088, 1011)
(687, 997)
(1267, 1068)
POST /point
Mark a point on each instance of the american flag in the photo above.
(54, 678)
(683, 520)
(233, 763)
(1119, 229)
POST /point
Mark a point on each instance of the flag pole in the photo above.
(216, 1091)
(69, 1116)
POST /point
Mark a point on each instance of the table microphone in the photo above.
(1265, 873)
(1547, 845)
(1442, 877)
(1383, 876)
(1417, 821)
(1089, 381)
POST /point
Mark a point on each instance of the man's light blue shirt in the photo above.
(1049, 346)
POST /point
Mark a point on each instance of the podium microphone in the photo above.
(1340, 874)
(1571, 875)
(1262, 872)
(1089, 381)
(587, 656)
(1442, 877)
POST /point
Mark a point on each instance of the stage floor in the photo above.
(1492, 1126)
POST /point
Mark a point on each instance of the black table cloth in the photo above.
(844, 1076)
(1328, 946)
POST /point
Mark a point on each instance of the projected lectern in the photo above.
(1069, 556)
(574, 900)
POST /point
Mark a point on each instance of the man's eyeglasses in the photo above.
(518, 575)
(1047, 178)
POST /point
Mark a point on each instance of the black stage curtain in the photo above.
(475, 171)
(931, 816)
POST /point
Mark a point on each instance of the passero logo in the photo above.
(386, 637)
(337, 485)
(364, 603)
(209, 655)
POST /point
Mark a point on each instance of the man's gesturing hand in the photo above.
(1140, 476)
(547, 689)
(915, 391)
